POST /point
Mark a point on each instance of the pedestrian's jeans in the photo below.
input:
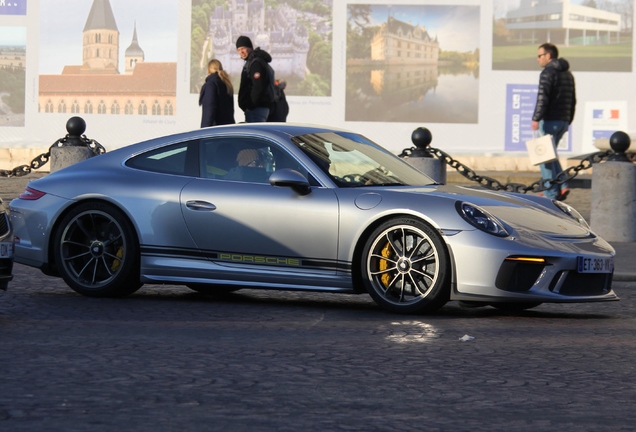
(550, 170)
(256, 115)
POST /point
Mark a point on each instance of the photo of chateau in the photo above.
(387, 44)
(412, 63)
(298, 36)
(102, 84)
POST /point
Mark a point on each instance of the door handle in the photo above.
(200, 205)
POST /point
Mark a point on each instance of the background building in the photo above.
(398, 42)
(561, 22)
(97, 86)
(273, 30)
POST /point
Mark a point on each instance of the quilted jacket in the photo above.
(557, 96)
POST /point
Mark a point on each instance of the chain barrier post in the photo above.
(421, 158)
(613, 210)
(73, 148)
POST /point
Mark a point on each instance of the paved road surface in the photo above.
(169, 359)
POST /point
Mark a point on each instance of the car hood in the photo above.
(527, 214)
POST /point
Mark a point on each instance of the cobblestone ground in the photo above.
(169, 359)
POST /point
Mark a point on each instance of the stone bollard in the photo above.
(424, 161)
(613, 209)
(72, 148)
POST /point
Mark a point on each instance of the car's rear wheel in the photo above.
(96, 251)
(406, 268)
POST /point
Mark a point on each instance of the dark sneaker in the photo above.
(563, 195)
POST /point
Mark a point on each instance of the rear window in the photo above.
(173, 159)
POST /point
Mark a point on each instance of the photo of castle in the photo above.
(102, 83)
(412, 63)
(299, 40)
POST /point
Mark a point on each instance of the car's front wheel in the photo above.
(406, 268)
(96, 251)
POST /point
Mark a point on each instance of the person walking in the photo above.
(257, 79)
(554, 111)
(217, 97)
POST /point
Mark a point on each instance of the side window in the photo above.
(243, 159)
(179, 159)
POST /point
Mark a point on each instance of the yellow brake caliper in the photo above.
(384, 264)
(120, 253)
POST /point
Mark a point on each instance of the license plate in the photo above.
(595, 265)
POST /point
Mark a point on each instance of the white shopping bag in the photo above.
(541, 150)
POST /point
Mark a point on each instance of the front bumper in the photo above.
(482, 272)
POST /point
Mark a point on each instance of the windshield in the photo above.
(352, 160)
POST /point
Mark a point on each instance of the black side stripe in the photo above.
(188, 253)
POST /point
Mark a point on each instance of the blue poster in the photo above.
(13, 7)
(520, 102)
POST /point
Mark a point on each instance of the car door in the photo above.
(254, 223)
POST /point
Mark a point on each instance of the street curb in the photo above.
(624, 277)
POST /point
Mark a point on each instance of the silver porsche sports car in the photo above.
(297, 207)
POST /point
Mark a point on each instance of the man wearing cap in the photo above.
(253, 97)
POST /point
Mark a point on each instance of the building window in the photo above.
(101, 108)
(114, 108)
(167, 109)
(143, 108)
(156, 108)
(88, 107)
(49, 106)
(129, 108)
(61, 108)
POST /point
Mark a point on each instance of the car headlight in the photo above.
(481, 219)
(570, 211)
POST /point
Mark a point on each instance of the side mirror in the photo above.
(290, 178)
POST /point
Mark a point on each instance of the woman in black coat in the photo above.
(217, 97)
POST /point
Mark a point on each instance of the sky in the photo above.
(12, 36)
(456, 27)
(62, 23)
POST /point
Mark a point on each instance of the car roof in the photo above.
(253, 129)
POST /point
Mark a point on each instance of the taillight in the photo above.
(31, 194)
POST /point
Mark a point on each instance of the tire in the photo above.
(411, 279)
(515, 307)
(213, 290)
(96, 251)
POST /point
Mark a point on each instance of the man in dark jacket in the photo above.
(254, 96)
(554, 110)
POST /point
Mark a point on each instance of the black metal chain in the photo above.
(494, 184)
(41, 160)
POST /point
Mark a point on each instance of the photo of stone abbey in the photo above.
(98, 87)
